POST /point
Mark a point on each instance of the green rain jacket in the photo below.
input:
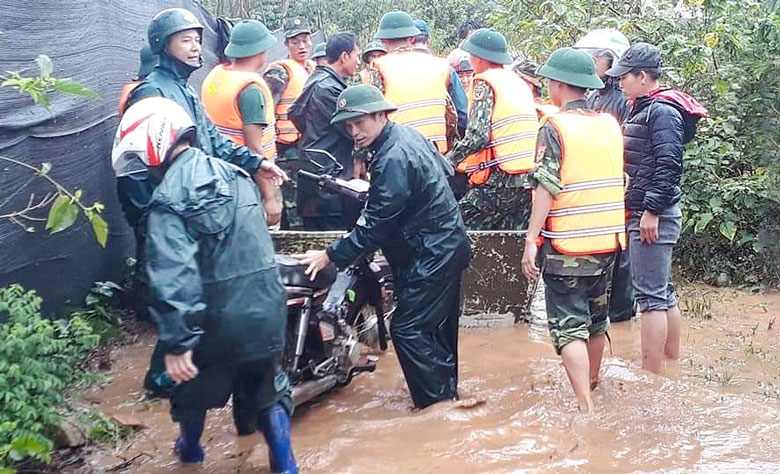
(169, 80)
(214, 283)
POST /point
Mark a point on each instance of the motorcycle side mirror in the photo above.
(327, 155)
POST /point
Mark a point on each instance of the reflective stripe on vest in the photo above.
(588, 216)
(219, 93)
(513, 128)
(297, 75)
(416, 83)
(125, 94)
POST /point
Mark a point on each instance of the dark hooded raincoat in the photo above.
(214, 284)
(412, 215)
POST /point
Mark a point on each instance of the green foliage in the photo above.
(98, 311)
(726, 53)
(38, 361)
(66, 205)
(101, 429)
(39, 87)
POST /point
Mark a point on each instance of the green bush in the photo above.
(726, 53)
(39, 359)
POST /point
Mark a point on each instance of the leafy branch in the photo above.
(39, 87)
(65, 205)
(64, 211)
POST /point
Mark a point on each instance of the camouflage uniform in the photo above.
(504, 201)
(289, 157)
(577, 287)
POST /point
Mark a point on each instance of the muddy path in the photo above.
(716, 410)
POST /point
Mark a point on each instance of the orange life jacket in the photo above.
(285, 130)
(513, 128)
(417, 83)
(588, 216)
(125, 94)
(219, 93)
(545, 110)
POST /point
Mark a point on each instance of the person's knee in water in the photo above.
(581, 231)
(660, 122)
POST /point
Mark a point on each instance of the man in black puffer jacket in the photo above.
(660, 122)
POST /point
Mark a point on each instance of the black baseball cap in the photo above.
(639, 56)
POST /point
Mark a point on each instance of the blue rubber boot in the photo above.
(275, 425)
(188, 445)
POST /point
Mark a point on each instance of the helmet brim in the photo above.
(365, 109)
(233, 50)
(586, 81)
(492, 56)
(397, 33)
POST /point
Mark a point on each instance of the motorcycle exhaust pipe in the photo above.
(308, 390)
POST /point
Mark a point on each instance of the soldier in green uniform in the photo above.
(503, 202)
(290, 157)
(577, 254)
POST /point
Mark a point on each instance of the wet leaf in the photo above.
(728, 229)
(701, 224)
(62, 214)
(44, 65)
(69, 86)
(100, 228)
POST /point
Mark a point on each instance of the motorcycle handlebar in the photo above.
(334, 185)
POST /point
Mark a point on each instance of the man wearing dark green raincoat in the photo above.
(217, 298)
(174, 35)
(412, 215)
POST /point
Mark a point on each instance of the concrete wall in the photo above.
(495, 293)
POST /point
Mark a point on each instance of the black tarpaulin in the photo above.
(96, 42)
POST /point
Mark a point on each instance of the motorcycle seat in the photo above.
(293, 274)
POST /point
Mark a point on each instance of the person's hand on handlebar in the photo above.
(269, 170)
(316, 260)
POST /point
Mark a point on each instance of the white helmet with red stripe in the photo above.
(147, 133)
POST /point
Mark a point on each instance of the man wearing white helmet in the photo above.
(606, 46)
(221, 315)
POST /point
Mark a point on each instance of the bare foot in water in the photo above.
(469, 403)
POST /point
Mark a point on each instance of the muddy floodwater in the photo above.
(716, 410)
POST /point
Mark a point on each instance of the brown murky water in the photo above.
(717, 410)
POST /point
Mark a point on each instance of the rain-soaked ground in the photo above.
(716, 410)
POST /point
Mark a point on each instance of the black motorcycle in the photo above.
(331, 319)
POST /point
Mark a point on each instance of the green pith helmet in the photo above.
(571, 66)
(318, 51)
(168, 22)
(148, 62)
(396, 25)
(360, 100)
(373, 47)
(249, 38)
(488, 44)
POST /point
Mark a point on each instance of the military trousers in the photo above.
(424, 330)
